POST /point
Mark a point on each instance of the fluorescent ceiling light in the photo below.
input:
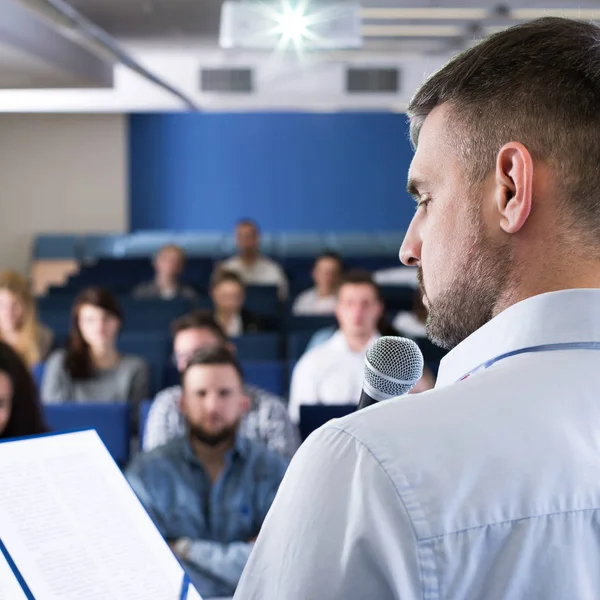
(434, 31)
(424, 13)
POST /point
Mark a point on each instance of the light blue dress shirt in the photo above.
(482, 489)
(219, 519)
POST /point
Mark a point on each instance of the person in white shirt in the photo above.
(332, 373)
(487, 486)
(250, 264)
(322, 298)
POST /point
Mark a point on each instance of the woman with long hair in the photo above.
(91, 369)
(19, 325)
(20, 411)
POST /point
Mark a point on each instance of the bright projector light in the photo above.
(293, 23)
(280, 23)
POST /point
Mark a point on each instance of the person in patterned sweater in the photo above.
(266, 421)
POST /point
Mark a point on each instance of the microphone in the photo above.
(393, 365)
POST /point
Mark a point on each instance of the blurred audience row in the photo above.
(215, 448)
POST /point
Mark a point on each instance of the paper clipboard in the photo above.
(30, 462)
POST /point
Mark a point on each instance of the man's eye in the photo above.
(422, 204)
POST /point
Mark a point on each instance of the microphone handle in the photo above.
(365, 400)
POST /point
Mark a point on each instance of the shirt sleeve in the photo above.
(163, 422)
(137, 482)
(337, 529)
(56, 384)
(276, 429)
(223, 562)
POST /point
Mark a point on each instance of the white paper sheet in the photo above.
(10, 588)
(74, 527)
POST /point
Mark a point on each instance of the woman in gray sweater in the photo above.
(91, 369)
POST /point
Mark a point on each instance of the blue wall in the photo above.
(290, 172)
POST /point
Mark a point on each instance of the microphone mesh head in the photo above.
(393, 365)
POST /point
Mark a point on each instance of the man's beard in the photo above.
(471, 299)
(214, 438)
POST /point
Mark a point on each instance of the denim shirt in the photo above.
(218, 518)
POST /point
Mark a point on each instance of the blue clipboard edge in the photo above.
(16, 572)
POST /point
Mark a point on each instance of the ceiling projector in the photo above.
(289, 24)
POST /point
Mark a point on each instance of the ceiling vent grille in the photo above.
(227, 81)
(372, 80)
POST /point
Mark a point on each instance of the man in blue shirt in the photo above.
(209, 491)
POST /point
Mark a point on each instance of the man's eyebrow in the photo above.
(413, 185)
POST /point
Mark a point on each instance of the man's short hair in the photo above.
(537, 83)
(248, 222)
(214, 356)
(173, 247)
(360, 277)
(331, 255)
(198, 319)
(223, 276)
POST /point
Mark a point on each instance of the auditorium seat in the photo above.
(313, 416)
(258, 346)
(312, 323)
(111, 421)
(154, 347)
(268, 375)
(262, 300)
(53, 247)
(297, 342)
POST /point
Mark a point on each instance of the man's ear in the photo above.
(514, 186)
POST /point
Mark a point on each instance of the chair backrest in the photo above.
(262, 300)
(313, 416)
(312, 323)
(297, 342)
(111, 421)
(268, 375)
(154, 347)
(258, 346)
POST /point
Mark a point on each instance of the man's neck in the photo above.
(324, 292)
(166, 285)
(211, 457)
(249, 259)
(357, 343)
(579, 273)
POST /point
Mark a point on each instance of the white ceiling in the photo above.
(34, 55)
(174, 38)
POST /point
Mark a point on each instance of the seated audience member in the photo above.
(91, 369)
(321, 299)
(332, 373)
(250, 264)
(20, 411)
(266, 422)
(168, 265)
(228, 294)
(411, 324)
(19, 325)
(209, 490)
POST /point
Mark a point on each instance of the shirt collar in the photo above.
(551, 318)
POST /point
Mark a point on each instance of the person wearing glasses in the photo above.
(266, 421)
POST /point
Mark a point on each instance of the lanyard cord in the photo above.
(532, 349)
